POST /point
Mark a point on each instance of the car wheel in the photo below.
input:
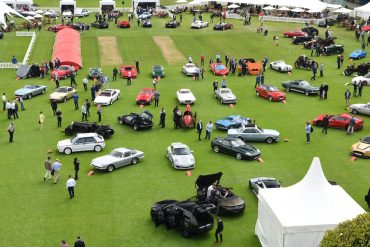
(239, 156)
(110, 168)
(270, 98)
(43, 92)
(136, 127)
(65, 99)
(67, 151)
(216, 149)
(29, 96)
(134, 161)
(355, 111)
(257, 93)
(119, 95)
(269, 140)
(288, 89)
(279, 69)
(97, 148)
(306, 93)
(185, 230)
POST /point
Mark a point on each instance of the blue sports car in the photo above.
(232, 122)
(30, 90)
(357, 54)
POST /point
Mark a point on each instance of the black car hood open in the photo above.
(204, 181)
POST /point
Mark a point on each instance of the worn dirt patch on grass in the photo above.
(109, 53)
(168, 49)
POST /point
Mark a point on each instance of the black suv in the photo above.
(86, 127)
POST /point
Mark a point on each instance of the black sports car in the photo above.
(80, 26)
(87, 127)
(94, 73)
(332, 50)
(186, 216)
(235, 147)
(138, 121)
(299, 40)
(311, 31)
(210, 192)
(172, 24)
(222, 26)
(300, 86)
(147, 23)
(100, 25)
(326, 23)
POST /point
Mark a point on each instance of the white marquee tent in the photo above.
(300, 214)
(363, 11)
(6, 10)
(151, 3)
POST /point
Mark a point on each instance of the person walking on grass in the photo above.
(308, 130)
(47, 165)
(41, 120)
(79, 242)
(347, 97)
(85, 81)
(71, 183)
(325, 124)
(58, 114)
(99, 112)
(199, 129)
(11, 130)
(56, 168)
(84, 112)
(351, 125)
(219, 230)
(76, 165)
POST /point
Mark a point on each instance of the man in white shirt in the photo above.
(56, 168)
(209, 128)
(3, 98)
(84, 112)
(8, 106)
(71, 183)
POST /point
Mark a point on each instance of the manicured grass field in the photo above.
(113, 209)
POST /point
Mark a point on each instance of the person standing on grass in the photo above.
(223, 82)
(47, 165)
(325, 124)
(199, 129)
(4, 100)
(99, 112)
(326, 89)
(71, 183)
(215, 86)
(360, 86)
(9, 109)
(75, 100)
(64, 243)
(209, 128)
(85, 81)
(79, 242)
(58, 113)
(115, 73)
(41, 120)
(129, 78)
(155, 81)
(14, 107)
(162, 118)
(137, 66)
(92, 90)
(56, 78)
(258, 80)
(11, 130)
(308, 130)
(338, 62)
(175, 117)
(156, 98)
(226, 60)
(321, 91)
(314, 71)
(76, 164)
(88, 105)
(84, 112)
(56, 168)
(351, 125)
(20, 99)
(355, 86)
(54, 106)
(347, 97)
(321, 68)
(202, 58)
(219, 230)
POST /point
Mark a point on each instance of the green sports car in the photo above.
(300, 86)
(157, 71)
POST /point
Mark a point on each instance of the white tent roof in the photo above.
(6, 10)
(363, 11)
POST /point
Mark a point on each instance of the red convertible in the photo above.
(123, 24)
(145, 97)
(294, 34)
(219, 69)
(270, 92)
(58, 27)
(63, 72)
(340, 121)
(124, 69)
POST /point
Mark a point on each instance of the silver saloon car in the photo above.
(225, 96)
(255, 134)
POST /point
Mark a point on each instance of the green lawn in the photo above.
(113, 209)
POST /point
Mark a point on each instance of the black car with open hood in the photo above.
(87, 127)
(137, 121)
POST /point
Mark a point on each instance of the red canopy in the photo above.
(67, 47)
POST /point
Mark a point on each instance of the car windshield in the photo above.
(63, 68)
(184, 91)
(272, 89)
(128, 68)
(116, 154)
(146, 91)
(181, 151)
(366, 140)
(157, 68)
(237, 143)
(225, 91)
(94, 70)
(30, 86)
(220, 66)
(145, 116)
(190, 66)
(304, 83)
(271, 184)
(62, 90)
(105, 94)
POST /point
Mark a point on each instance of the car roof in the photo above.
(227, 138)
(87, 135)
(179, 145)
(262, 179)
(184, 89)
(122, 149)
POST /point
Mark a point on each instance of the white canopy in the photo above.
(233, 6)
(283, 9)
(298, 10)
(6, 10)
(181, 1)
(363, 11)
(343, 10)
(269, 8)
(155, 3)
(300, 214)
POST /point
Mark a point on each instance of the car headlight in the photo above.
(192, 160)
(258, 150)
(175, 161)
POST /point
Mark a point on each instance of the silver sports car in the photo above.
(251, 132)
(225, 96)
(360, 109)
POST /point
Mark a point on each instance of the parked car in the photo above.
(199, 24)
(137, 121)
(107, 97)
(158, 71)
(180, 156)
(225, 96)
(219, 69)
(94, 73)
(145, 97)
(147, 23)
(123, 24)
(317, 41)
(270, 92)
(185, 96)
(357, 54)
(235, 147)
(209, 191)
(172, 24)
(80, 26)
(300, 86)
(361, 69)
(222, 26)
(119, 157)
(281, 66)
(100, 25)
(256, 184)
(360, 109)
(87, 127)
(252, 133)
(56, 28)
(340, 121)
(325, 23)
(62, 93)
(62, 71)
(232, 122)
(363, 79)
(190, 69)
(362, 148)
(311, 31)
(294, 34)
(124, 69)
(332, 50)
(187, 217)
(145, 15)
(82, 142)
(79, 12)
(299, 40)
(28, 91)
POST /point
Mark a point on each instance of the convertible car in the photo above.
(107, 97)
(62, 71)
(281, 66)
(357, 54)
(180, 156)
(185, 96)
(158, 71)
(124, 69)
(223, 26)
(190, 69)
(94, 73)
(294, 34)
(340, 121)
(145, 97)
(172, 24)
(80, 26)
(360, 109)
(256, 184)
(252, 133)
(209, 191)
(300, 86)
(123, 24)
(270, 92)
(62, 93)
(232, 122)
(235, 147)
(186, 216)
(199, 24)
(117, 158)
(87, 127)
(361, 148)
(219, 69)
(364, 79)
(147, 23)
(28, 91)
(100, 25)
(137, 121)
(225, 96)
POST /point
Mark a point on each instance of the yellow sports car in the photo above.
(361, 148)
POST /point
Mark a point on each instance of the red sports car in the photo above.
(63, 72)
(270, 92)
(294, 33)
(219, 69)
(58, 27)
(124, 69)
(340, 121)
(145, 97)
(123, 24)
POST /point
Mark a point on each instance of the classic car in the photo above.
(62, 71)
(311, 31)
(222, 26)
(62, 93)
(294, 34)
(190, 69)
(219, 69)
(252, 133)
(340, 121)
(107, 97)
(256, 184)
(317, 41)
(180, 156)
(147, 23)
(172, 24)
(357, 54)
(299, 40)
(332, 50)
(158, 71)
(304, 62)
(137, 121)
(56, 28)
(364, 79)
(270, 92)
(361, 148)
(124, 69)
(185, 96)
(232, 122)
(145, 15)
(94, 73)
(361, 69)
(145, 97)
(87, 127)
(30, 90)
(116, 13)
(325, 23)
(199, 24)
(123, 24)
(225, 96)
(100, 25)
(360, 109)
(188, 119)
(79, 12)
(209, 191)
(300, 86)
(80, 26)
(117, 158)
(281, 66)
(187, 217)
(235, 147)
(82, 142)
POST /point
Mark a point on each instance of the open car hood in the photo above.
(204, 181)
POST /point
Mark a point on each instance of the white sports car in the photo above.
(225, 96)
(280, 66)
(107, 97)
(360, 109)
(199, 24)
(365, 78)
(180, 156)
(185, 96)
(190, 69)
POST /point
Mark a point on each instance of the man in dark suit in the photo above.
(199, 129)
(220, 228)
(325, 124)
(79, 242)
